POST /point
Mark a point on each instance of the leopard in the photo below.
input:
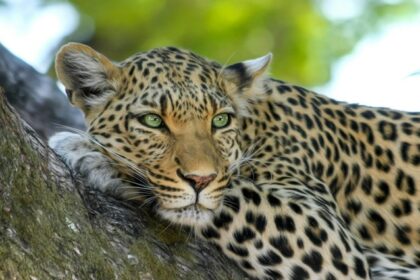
(287, 183)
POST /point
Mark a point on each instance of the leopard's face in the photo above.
(179, 136)
(166, 118)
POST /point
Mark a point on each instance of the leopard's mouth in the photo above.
(193, 207)
(193, 215)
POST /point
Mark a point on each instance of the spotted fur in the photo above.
(303, 187)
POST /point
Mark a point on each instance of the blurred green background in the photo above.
(306, 36)
(303, 38)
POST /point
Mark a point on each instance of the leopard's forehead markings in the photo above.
(174, 82)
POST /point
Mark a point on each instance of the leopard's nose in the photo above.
(201, 182)
(198, 182)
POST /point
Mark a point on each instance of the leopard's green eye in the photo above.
(152, 120)
(221, 120)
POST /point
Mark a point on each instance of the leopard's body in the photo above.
(294, 186)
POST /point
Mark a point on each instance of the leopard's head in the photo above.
(166, 117)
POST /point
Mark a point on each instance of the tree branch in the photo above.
(36, 97)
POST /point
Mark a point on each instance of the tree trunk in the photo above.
(53, 227)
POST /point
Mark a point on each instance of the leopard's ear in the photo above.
(89, 77)
(244, 80)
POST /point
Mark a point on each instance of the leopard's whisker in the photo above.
(116, 155)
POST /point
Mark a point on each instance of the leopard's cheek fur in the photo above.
(229, 148)
(229, 154)
(152, 167)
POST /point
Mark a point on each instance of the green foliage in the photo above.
(304, 41)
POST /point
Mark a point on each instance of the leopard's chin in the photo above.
(192, 215)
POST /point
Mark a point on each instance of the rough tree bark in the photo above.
(54, 227)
